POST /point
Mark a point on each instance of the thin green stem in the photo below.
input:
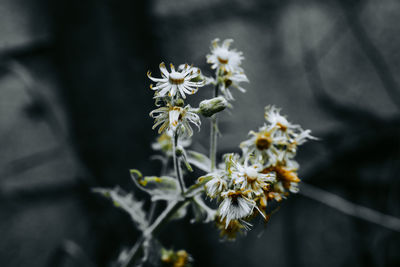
(177, 166)
(214, 135)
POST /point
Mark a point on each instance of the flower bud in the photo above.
(179, 151)
(211, 106)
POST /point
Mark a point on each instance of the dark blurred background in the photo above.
(74, 115)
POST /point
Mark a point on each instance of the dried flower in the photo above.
(235, 205)
(176, 83)
(175, 118)
(223, 58)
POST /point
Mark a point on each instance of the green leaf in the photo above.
(126, 202)
(159, 188)
(199, 160)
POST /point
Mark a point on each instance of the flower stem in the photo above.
(153, 229)
(214, 135)
(161, 220)
(177, 166)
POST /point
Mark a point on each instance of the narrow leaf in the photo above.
(199, 160)
(159, 188)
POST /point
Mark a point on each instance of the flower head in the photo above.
(232, 79)
(286, 177)
(293, 134)
(177, 82)
(223, 58)
(235, 205)
(174, 118)
(262, 145)
(217, 184)
(251, 179)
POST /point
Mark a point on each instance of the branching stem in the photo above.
(153, 229)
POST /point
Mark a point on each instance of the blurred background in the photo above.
(74, 115)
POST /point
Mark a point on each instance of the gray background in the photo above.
(74, 115)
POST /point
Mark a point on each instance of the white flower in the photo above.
(232, 79)
(250, 179)
(235, 206)
(217, 184)
(274, 118)
(176, 83)
(223, 58)
(173, 118)
(262, 145)
(293, 133)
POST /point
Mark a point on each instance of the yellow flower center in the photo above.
(176, 78)
(263, 142)
(223, 57)
(222, 61)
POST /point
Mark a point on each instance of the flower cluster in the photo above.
(227, 63)
(170, 90)
(243, 185)
(266, 171)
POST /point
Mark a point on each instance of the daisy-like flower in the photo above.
(224, 59)
(232, 79)
(174, 118)
(217, 184)
(251, 179)
(293, 133)
(236, 205)
(262, 145)
(177, 82)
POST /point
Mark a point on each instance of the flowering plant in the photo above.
(243, 185)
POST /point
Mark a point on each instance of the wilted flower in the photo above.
(175, 118)
(262, 145)
(176, 82)
(293, 134)
(234, 228)
(251, 179)
(223, 58)
(286, 177)
(235, 205)
(217, 184)
(232, 79)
